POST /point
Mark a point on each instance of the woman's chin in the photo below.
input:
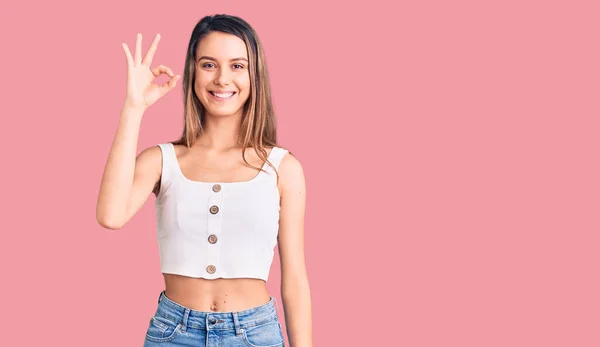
(223, 112)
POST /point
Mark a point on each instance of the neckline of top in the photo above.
(185, 178)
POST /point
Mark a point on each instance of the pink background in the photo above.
(450, 149)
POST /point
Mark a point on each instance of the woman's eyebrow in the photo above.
(213, 59)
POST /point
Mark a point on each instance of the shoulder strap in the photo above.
(169, 160)
(275, 157)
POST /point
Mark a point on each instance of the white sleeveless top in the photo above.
(217, 229)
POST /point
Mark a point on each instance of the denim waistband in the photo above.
(235, 320)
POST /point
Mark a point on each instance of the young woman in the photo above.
(226, 195)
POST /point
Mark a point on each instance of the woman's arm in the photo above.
(128, 179)
(295, 289)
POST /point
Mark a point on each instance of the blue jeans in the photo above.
(177, 325)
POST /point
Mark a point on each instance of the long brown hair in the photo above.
(258, 128)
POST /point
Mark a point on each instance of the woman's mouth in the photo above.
(222, 95)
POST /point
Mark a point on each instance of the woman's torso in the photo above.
(216, 295)
(221, 294)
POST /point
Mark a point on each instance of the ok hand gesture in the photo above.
(141, 92)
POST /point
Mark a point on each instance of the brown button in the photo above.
(211, 269)
(212, 239)
(216, 188)
(214, 209)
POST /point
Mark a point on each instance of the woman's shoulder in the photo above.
(290, 167)
(156, 153)
(148, 163)
(152, 152)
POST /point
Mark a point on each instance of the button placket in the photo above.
(215, 204)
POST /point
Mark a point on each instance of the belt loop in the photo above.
(236, 324)
(184, 324)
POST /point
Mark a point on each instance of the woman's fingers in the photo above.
(137, 57)
(138, 49)
(151, 51)
(161, 69)
(170, 84)
(139, 83)
(127, 53)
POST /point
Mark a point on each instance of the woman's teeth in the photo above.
(223, 95)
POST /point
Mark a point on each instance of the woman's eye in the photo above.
(210, 65)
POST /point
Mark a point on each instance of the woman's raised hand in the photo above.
(141, 92)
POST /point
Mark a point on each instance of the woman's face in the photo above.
(222, 78)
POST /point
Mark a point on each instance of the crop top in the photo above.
(217, 229)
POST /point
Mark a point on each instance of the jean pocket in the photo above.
(161, 329)
(265, 335)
